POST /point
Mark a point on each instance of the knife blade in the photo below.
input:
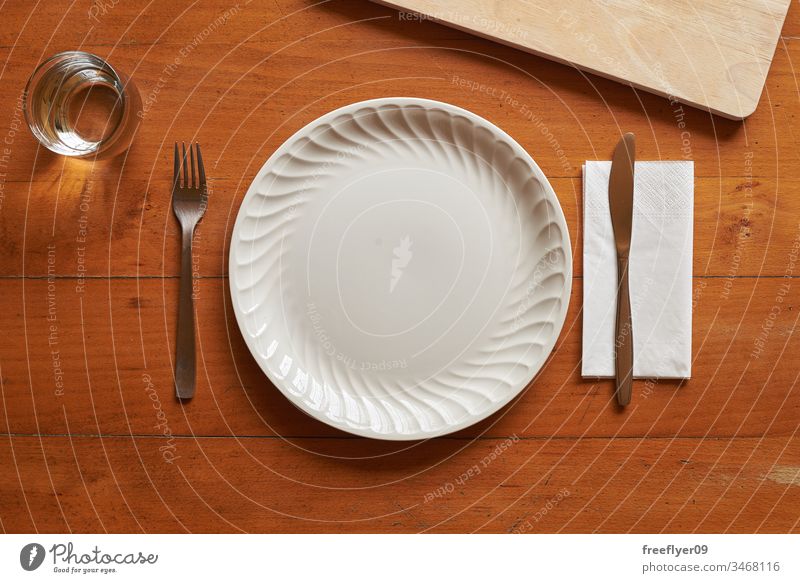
(620, 202)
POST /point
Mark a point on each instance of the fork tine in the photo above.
(176, 170)
(185, 170)
(200, 170)
(191, 165)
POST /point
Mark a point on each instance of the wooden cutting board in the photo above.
(712, 54)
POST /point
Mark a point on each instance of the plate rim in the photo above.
(559, 319)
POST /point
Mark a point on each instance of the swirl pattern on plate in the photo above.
(505, 345)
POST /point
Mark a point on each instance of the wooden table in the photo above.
(93, 439)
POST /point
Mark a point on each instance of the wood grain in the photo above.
(551, 485)
(90, 436)
(713, 54)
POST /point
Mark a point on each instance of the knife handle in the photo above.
(623, 343)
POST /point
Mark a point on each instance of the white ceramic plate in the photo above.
(400, 268)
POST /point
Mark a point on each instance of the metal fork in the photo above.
(189, 199)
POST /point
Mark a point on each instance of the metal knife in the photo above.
(620, 202)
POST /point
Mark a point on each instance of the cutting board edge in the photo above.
(740, 114)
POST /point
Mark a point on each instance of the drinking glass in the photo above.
(76, 104)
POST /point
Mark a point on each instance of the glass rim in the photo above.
(42, 68)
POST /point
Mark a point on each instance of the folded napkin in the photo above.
(660, 271)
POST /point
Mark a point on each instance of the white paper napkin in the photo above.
(660, 271)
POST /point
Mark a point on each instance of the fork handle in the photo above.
(185, 359)
(623, 345)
